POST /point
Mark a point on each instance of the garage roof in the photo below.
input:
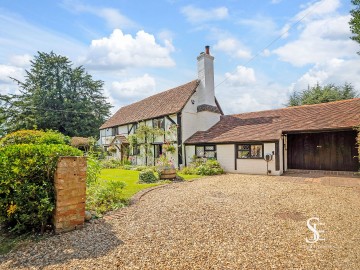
(269, 125)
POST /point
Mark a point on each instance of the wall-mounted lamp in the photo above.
(192, 101)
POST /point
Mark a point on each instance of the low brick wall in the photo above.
(70, 194)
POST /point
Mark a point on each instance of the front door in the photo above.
(335, 151)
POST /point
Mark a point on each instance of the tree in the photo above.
(355, 21)
(322, 94)
(54, 95)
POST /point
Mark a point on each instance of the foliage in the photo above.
(93, 170)
(322, 94)
(104, 196)
(55, 95)
(168, 147)
(111, 163)
(355, 21)
(147, 176)
(165, 163)
(26, 191)
(203, 167)
(35, 137)
(144, 136)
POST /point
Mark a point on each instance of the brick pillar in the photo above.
(70, 194)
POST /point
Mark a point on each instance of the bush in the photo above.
(206, 167)
(93, 169)
(147, 176)
(111, 163)
(34, 137)
(105, 196)
(210, 167)
(140, 168)
(27, 174)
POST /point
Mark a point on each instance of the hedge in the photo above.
(35, 137)
(26, 181)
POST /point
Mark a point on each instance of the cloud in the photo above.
(241, 77)
(275, 1)
(7, 85)
(131, 90)
(113, 17)
(17, 38)
(199, 15)
(335, 71)
(21, 60)
(119, 51)
(233, 47)
(324, 35)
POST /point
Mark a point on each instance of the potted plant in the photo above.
(166, 168)
(168, 147)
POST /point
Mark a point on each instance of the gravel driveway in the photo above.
(222, 222)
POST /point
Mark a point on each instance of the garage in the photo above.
(334, 151)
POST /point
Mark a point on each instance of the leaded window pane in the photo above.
(210, 154)
(209, 148)
(244, 147)
(256, 151)
(199, 151)
(244, 154)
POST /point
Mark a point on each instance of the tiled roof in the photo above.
(168, 102)
(269, 125)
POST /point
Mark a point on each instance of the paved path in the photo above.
(221, 222)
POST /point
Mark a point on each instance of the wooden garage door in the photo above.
(334, 151)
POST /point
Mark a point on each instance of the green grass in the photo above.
(130, 178)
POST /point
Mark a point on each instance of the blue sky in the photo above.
(263, 49)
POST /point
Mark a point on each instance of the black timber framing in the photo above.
(277, 157)
(179, 138)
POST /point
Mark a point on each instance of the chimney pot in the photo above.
(207, 49)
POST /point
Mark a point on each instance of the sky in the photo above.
(264, 50)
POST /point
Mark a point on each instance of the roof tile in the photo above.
(269, 125)
(164, 103)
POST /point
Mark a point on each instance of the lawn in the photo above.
(131, 179)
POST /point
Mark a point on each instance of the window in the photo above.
(248, 151)
(159, 123)
(157, 150)
(207, 151)
(135, 150)
(113, 131)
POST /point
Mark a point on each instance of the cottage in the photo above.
(311, 137)
(180, 112)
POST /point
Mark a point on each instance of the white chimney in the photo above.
(206, 91)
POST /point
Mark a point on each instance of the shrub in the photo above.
(210, 167)
(205, 167)
(140, 168)
(27, 191)
(127, 167)
(104, 196)
(34, 137)
(111, 163)
(93, 169)
(147, 176)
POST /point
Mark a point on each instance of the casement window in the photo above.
(135, 150)
(158, 150)
(205, 151)
(113, 131)
(250, 151)
(159, 123)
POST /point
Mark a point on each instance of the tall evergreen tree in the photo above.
(322, 94)
(355, 21)
(54, 95)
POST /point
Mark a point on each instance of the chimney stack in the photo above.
(206, 91)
